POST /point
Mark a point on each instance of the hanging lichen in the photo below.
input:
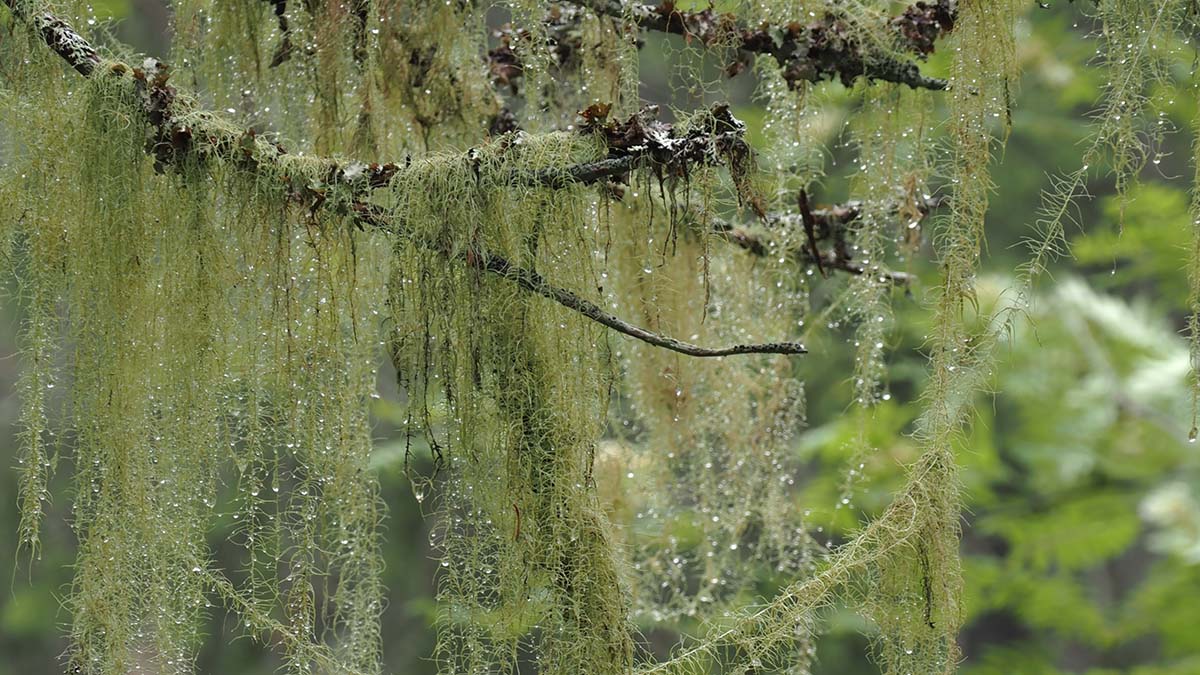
(529, 560)
(902, 567)
(915, 599)
(224, 302)
(1138, 46)
(892, 170)
(163, 282)
(710, 477)
(372, 78)
(1193, 259)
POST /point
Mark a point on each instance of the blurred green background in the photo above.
(1082, 533)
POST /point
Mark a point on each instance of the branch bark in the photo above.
(59, 36)
(532, 281)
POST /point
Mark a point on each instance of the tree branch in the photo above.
(827, 224)
(532, 281)
(59, 36)
(284, 51)
(172, 140)
(822, 49)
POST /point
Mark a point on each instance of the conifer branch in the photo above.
(821, 49)
(644, 143)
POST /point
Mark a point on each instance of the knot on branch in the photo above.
(164, 138)
(714, 137)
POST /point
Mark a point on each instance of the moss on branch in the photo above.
(825, 48)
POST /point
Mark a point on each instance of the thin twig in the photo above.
(828, 223)
(810, 228)
(534, 282)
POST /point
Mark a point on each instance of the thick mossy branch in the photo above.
(180, 133)
(824, 48)
(58, 34)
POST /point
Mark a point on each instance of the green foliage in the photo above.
(1156, 232)
(1115, 400)
(1080, 538)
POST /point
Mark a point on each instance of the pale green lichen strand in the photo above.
(528, 559)
(176, 287)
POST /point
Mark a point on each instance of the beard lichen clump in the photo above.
(528, 558)
(914, 596)
(217, 335)
(373, 79)
(1193, 325)
(705, 478)
(143, 473)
